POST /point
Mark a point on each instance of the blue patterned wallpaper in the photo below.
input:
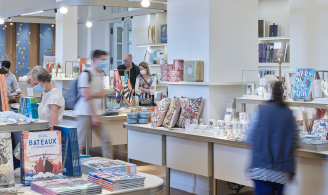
(22, 48)
(3, 41)
(46, 41)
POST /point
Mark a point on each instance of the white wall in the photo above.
(139, 36)
(308, 32)
(278, 12)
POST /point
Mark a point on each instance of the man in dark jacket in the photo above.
(134, 70)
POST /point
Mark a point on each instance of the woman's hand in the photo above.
(140, 88)
(96, 121)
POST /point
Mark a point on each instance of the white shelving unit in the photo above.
(274, 38)
(203, 83)
(153, 45)
(154, 65)
(273, 64)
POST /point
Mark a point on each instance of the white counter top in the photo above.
(69, 115)
(35, 126)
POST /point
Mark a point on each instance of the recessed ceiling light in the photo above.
(145, 3)
(89, 24)
(63, 10)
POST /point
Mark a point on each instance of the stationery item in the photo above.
(159, 78)
(216, 129)
(229, 125)
(133, 115)
(164, 33)
(302, 83)
(250, 89)
(190, 131)
(72, 166)
(324, 86)
(220, 122)
(6, 165)
(279, 51)
(41, 155)
(193, 71)
(227, 116)
(104, 164)
(178, 65)
(320, 129)
(212, 123)
(273, 30)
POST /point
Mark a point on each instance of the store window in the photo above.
(122, 41)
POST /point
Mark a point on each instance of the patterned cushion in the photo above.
(320, 128)
(172, 115)
(190, 109)
(160, 112)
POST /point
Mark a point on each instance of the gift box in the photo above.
(193, 71)
(175, 79)
(178, 64)
(169, 72)
(175, 73)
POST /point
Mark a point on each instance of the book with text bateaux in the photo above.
(41, 155)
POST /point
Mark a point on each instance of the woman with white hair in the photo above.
(52, 105)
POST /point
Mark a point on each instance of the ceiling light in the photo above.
(11, 23)
(52, 25)
(145, 3)
(89, 24)
(32, 13)
(2, 21)
(63, 10)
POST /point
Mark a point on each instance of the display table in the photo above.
(113, 125)
(35, 126)
(153, 185)
(217, 158)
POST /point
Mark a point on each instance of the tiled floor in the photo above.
(120, 152)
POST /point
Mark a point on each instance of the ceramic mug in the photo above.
(211, 123)
(222, 131)
(220, 123)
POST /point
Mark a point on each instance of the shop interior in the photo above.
(214, 61)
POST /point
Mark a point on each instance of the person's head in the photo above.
(127, 59)
(144, 68)
(277, 93)
(4, 71)
(6, 64)
(99, 58)
(38, 78)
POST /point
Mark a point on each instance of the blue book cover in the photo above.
(302, 83)
(164, 33)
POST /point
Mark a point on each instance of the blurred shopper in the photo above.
(11, 81)
(145, 85)
(52, 105)
(89, 108)
(5, 71)
(134, 70)
(273, 136)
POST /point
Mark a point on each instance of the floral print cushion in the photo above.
(320, 128)
(172, 115)
(190, 109)
(160, 112)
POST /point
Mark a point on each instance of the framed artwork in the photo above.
(289, 76)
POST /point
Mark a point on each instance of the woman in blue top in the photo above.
(273, 136)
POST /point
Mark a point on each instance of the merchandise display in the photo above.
(30, 107)
(324, 86)
(172, 72)
(273, 30)
(164, 33)
(320, 129)
(15, 191)
(172, 115)
(271, 52)
(160, 112)
(66, 187)
(302, 83)
(72, 165)
(193, 71)
(102, 164)
(114, 181)
(190, 109)
(41, 155)
(6, 165)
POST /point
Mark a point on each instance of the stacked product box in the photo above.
(102, 164)
(193, 71)
(72, 165)
(172, 72)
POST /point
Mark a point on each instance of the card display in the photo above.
(302, 83)
(41, 156)
(6, 161)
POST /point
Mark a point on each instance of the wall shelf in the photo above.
(273, 38)
(153, 45)
(273, 64)
(203, 83)
(154, 65)
(161, 85)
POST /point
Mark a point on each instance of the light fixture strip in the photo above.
(32, 13)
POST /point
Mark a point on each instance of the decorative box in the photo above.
(164, 33)
(143, 115)
(175, 79)
(133, 114)
(178, 64)
(143, 120)
(193, 71)
(132, 121)
(199, 132)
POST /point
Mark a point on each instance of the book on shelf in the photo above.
(261, 28)
(273, 30)
(262, 52)
(269, 50)
(279, 51)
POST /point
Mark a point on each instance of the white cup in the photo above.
(216, 129)
(222, 131)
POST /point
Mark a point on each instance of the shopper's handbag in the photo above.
(146, 100)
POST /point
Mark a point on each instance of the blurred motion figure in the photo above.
(273, 136)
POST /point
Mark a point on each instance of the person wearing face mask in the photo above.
(134, 70)
(11, 81)
(52, 105)
(145, 86)
(88, 108)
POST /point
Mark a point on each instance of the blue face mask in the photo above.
(102, 64)
(39, 89)
(126, 64)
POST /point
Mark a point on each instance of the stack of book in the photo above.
(102, 164)
(6, 164)
(16, 191)
(271, 52)
(114, 181)
(72, 165)
(66, 187)
(41, 156)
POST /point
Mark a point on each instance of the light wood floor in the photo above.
(120, 153)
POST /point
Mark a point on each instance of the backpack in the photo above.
(73, 94)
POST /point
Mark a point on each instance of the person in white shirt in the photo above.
(88, 108)
(145, 85)
(11, 81)
(52, 105)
